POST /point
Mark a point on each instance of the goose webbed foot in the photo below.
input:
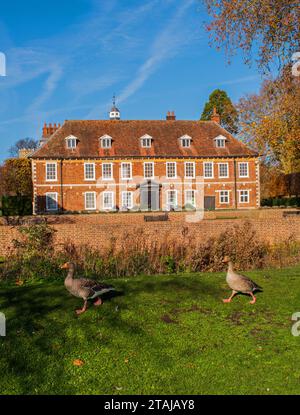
(98, 302)
(228, 300)
(83, 309)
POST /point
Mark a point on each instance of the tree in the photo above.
(272, 27)
(28, 143)
(229, 116)
(15, 177)
(270, 121)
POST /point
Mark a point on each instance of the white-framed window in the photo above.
(105, 141)
(171, 169)
(108, 200)
(148, 170)
(223, 170)
(90, 200)
(107, 171)
(244, 169)
(127, 200)
(51, 172)
(171, 199)
(244, 196)
(190, 198)
(126, 171)
(189, 169)
(89, 171)
(51, 201)
(146, 141)
(185, 141)
(208, 168)
(224, 196)
(71, 142)
(220, 141)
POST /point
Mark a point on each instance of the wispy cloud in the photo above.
(167, 43)
(50, 85)
(238, 80)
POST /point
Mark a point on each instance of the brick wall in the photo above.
(97, 229)
(70, 184)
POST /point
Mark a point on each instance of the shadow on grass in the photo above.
(44, 336)
(32, 329)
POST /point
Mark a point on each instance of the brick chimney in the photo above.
(171, 116)
(24, 153)
(215, 116)
(50, 129)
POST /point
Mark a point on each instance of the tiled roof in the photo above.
(126, 140)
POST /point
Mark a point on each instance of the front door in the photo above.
(209, 202)
(149, 195)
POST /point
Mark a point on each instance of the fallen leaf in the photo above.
(126, 360)
(19, 282)
(78, 362)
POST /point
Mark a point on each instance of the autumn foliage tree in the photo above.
(15, 177)
(220, 100)
(270, 121)
(270, 28)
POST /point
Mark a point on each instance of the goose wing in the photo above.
(93, 288)
(245, 284)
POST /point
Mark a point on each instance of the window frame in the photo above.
(126, 178)
(188, 141)
(175, 170)
(112, 199)
(70, 140)
(227, 169)
(94, 171)
(103, 140)
(240, 196)
(111, 171)
(185, 169)
(220, 139)
(48, 163)
(176, 198)
(122, 196)
(227, 196)
(56, 201)
(247, 164)
(144, 169)
(85, 200)
(212, 170)
(185, 197)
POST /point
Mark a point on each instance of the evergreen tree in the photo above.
(228, 114)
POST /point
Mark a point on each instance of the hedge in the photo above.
(16, 205)
(281, 201)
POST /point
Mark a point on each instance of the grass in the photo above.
(165, 335)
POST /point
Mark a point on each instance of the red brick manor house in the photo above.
(116, 164)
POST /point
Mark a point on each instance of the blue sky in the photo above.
(66, 58)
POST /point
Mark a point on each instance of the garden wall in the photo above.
(272, 225)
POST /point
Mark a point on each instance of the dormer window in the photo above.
(220, 141)
(71, 142)
(146, 141)
(105, 141)
(186, 141)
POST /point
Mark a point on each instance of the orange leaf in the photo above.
(19, 282)
(78, 362)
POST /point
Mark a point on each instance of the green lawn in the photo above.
(165, 335)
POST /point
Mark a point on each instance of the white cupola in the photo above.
(114, 112)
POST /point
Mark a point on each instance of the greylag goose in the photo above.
(239, 283)
(84, 288)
